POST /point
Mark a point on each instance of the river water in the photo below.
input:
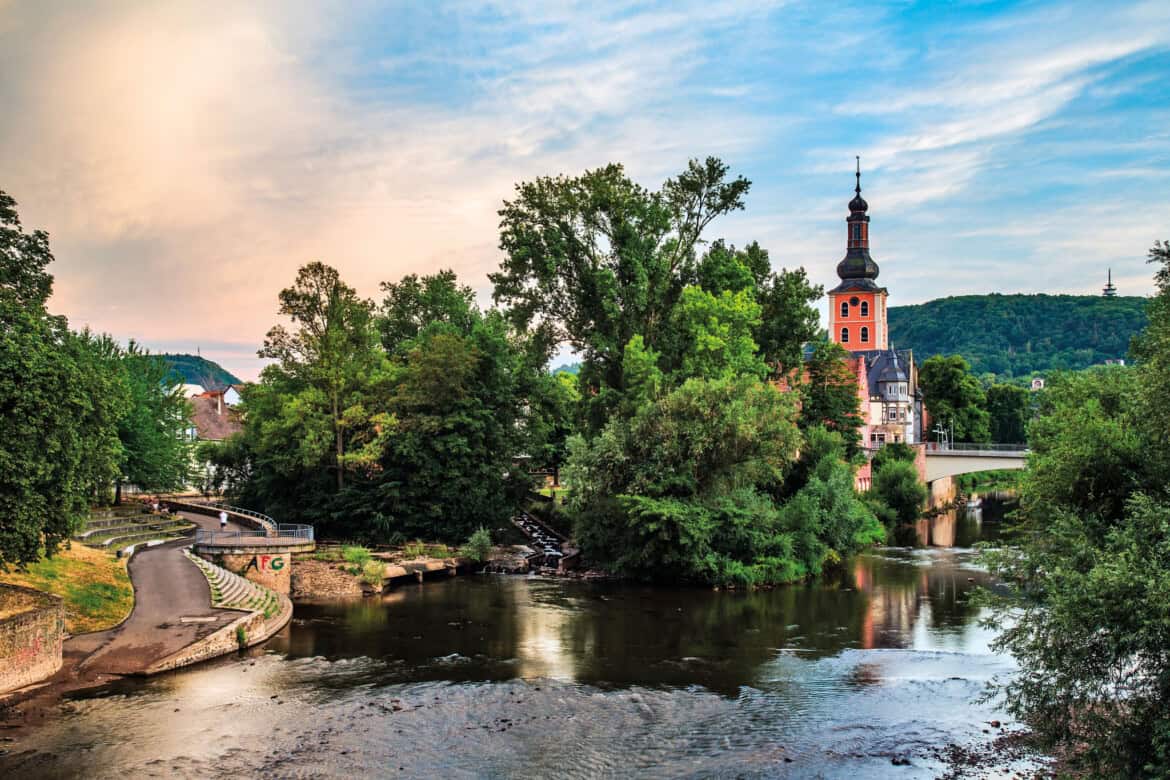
(498, 676)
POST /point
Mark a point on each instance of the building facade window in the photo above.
(844, 335)
(865, 308)
(864, 333)
(844, 309)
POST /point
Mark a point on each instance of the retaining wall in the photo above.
(260, 564)
(31, 640)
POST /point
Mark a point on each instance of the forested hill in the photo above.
(1017, 335)
(198, 370)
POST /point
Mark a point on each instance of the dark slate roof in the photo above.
(881, 361)
(858, 285)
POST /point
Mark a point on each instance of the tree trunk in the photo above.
(340, 444)
(117, 492)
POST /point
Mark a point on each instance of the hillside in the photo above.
(1017, 335)
(198, 370)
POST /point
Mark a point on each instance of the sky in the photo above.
(187, 157)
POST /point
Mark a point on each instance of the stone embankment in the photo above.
(32, 631)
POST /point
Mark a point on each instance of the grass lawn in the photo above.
(93, 583)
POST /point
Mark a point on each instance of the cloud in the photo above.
(187, 160)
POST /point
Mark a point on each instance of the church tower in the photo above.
(857, 306)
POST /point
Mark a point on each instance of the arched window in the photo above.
(844, 335)
(864, 332)
(856, 231)
(844, 309)
(865, 308)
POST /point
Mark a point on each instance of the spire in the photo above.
(858, 265)
(1110, 291)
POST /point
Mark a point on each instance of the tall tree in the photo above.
(788, 318)
(1008, 409)
(413, 303)
(829, 395)
(156, 455)
(331, 350)
(1084, 605)
(59, 405)
(595, 260)
(955, 398)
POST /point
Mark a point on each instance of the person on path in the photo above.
(222, 520)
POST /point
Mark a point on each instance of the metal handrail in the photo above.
(281, 531)
(975, 447)
(263, 518)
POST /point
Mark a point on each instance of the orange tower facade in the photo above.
(857, 306)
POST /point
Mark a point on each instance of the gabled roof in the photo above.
(214, 420)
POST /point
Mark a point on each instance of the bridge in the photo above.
(953, 459)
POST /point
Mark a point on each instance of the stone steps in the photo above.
(148, 523)
(231, 591)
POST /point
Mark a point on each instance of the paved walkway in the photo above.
(167, 587)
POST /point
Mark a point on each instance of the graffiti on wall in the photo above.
(262, 563)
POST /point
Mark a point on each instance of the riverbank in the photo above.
(94, 586)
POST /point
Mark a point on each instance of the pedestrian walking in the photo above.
(222, 520)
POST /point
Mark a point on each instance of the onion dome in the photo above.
(857, 270)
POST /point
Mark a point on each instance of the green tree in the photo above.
(330, 354)
(789, 318)
(156, 455)
(897, 486)
(1008, 409)
(715, 333)
(413, 303)
(954, 398)
(59, 405)
(829, 395)
(1084, 605)
(595, 260)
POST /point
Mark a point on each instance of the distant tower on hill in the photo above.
(857, 306)
(1110, 291)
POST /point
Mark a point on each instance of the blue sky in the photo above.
(186, 162)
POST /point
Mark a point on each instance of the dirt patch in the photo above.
(94, 585)
(313, 579)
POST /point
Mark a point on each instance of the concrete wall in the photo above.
(255, 627)
(262, 565)
(942, 491)
(31, 640)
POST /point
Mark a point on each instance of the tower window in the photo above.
(865, 308)
(844, 335)
(865, 335)
(844, 308)
(856, 231)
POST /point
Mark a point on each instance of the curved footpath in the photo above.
(172, 613)
(172, 609)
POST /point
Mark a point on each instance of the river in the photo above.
(499, 676)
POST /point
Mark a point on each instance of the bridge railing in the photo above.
(263, 518)
(289, 531)
(974, 447)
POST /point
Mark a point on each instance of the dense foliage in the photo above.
(1018, 335)
(197, 370)
(1088, 609)
(955, 399)
(77, 412)
(686, 464)
(393, 421)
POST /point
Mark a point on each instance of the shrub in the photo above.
(897, 486)
(356, 555)
(372, 571)
(479, 545)
(414, 549)
(438, 551)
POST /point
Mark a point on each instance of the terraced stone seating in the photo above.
(121, 526)
(231, 591)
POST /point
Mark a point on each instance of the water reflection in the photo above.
(514, 677)
(981, 520)
(615, 635)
